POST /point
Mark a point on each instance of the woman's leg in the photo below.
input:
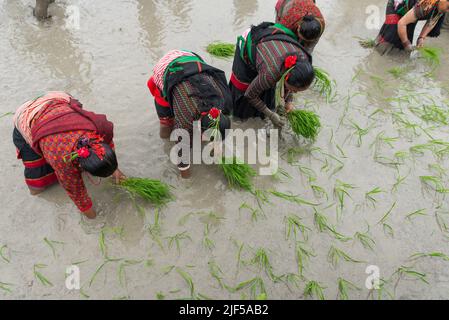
(39, 175)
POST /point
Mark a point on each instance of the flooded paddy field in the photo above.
(375, 181)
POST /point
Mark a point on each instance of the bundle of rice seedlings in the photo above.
(432, 55)
(238, 174)
(304, 123)
(221, 49)
(150, 190)
(367, 43)
(324, 84)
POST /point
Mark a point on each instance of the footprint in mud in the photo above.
(93, 226)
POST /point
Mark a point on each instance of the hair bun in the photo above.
(308, 18)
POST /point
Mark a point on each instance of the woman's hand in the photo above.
(289, 107)
(118, 177)
(420, 43)
(277, 120)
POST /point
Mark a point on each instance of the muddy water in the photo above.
(106, 64)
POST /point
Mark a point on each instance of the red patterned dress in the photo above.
(54, 147)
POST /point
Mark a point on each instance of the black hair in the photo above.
(97, 167)
(310, 28)
(302, 75)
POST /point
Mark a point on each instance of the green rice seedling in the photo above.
(359, 132)
(381, 291)
(121, 272)
(367, 43)
(160, 296)
(302, 255)
(292, 154)
(291, 280)
(441, 172)
(417, 213)
(240, 247)
(153, 191)
(398, 72)
(434, 183)
(340, 149)
(52, 244)
(336, 254)
(102, 244)
(188, 279)
(366, 240)
(314, 289)
(399, 181)
(430, 255)
(294, 225)
(344, 286)
(255, 213)
(370, 195)
(281, 173)
(5, 257)
(381, 139)
(217, 274)
(401, 156)
(167, 270)
(221, 50)
(262, 261)
(304, 123)
(262, 297)
(387, 215)
(431, 55)
(341, 191)
(337, 235)
(319, 192)
(321, 221)
(292, 198)
(155, 229)
(262, 197)
(442, 220)
(307, 172)
(101, 267)
(6, 114)
(256, 286)
(5, 287)
(432, 114)
(39, 276)
(404, 271)
(238, 174)
(208, 243)
(324, 84)
(177, 239)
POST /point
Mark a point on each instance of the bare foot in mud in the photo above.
(35, 192)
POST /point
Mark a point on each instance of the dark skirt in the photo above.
(242, 76)
(38, 173)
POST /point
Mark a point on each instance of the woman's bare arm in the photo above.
(409, 18)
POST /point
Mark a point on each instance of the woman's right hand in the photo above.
(276, 120)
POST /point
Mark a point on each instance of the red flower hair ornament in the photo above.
(290, 61)
(92, 141)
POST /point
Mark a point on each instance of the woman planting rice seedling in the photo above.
(265, 54)
(186, 89)
(302, 17)
(58, 140)
(402, 18)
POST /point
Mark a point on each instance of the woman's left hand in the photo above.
(118, 177)
(420, 43)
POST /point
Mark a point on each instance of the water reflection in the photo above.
(244, 9)
(153, 27)
(49, 46)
